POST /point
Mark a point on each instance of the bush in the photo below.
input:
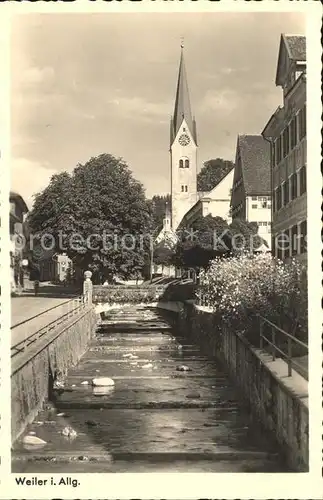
(115, 294)
(179, 292)
(240, 288)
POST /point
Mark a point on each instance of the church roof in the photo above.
(182, 103)
(255, 163)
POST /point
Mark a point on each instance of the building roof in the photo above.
(292, 48)
(19, 199)
(255, 164)
(296, 47)
(221, 178)
(182, 103)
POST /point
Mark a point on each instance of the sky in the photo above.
(86, 84)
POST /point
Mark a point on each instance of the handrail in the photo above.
(18, 362)
(41, 313)
(80, 303)
(273, 344)
(283, 332)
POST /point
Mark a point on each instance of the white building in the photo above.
(215, 202)
(251, 188)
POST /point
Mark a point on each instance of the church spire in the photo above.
(182, 108)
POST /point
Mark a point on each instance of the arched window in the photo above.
(181, 164)
(187, 163)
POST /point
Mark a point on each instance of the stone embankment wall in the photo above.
(279, 402)
(32, 372)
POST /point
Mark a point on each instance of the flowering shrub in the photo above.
(240, 288)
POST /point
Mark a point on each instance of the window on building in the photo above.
(302, 180)
(185, 189)
(254, 205)
(181, 163)
(279, 198)
(182, 189)
(279, 149)
(254, 198)
(286, 141)
(285, 193)
(302, 122)
(275, 200)
(295, 240)
(294, 186)
(273, 153)
(293, 132)
(303, 236)
(187, 163)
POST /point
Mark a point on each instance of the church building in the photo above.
(183, 151)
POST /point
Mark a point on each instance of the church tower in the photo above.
(183, 151)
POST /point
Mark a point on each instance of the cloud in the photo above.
(36, 75)
(137, 107)
(219, 101)
(29, 177)
(83, 85)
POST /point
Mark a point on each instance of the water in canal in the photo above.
(156, 418)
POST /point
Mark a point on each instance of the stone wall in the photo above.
(279, 402)
(32, 372)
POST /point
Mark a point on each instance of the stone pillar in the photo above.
(87, 287)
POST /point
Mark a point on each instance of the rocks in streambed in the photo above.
(193, 395)
(69, 432)
(147, 366)
(183, 368)
(31, 440)
(91, 423)
(103, 382)
(103, 390)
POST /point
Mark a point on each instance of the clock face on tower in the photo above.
(184, 140)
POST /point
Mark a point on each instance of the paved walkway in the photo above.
(156, 418)
(27, 306)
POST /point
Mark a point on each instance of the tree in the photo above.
(198, 244)
(212, 172)
(244, 236)
(98, 215)
(211, 237)
(158, 207)
(163, 255)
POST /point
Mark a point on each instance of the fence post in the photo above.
(289, 359)
(273, 339)
(87, 287)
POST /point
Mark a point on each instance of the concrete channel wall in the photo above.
(279, 402)
(32, 372)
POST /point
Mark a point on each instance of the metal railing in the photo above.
(275, 349)
(69, 308)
